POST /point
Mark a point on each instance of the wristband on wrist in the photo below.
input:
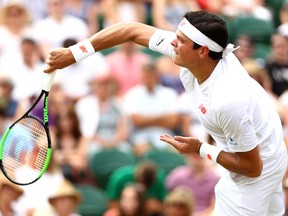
(209, 152)
(82, 50)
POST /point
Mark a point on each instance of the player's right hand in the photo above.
(59, 58)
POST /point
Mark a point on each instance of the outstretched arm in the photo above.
(117, 34)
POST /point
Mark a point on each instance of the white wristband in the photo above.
(82, 50)
(209, 152)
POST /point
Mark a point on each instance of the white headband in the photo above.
(198, 37)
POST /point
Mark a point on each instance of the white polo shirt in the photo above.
(233, 107)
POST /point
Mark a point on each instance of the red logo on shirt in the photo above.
(209, 156)
(83, 49)
(202, 109)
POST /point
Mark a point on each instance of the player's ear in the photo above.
(203, 51)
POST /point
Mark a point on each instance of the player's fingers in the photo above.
(183, 139)
(168, 139)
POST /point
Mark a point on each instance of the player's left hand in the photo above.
(184, 145)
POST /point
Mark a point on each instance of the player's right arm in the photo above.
(117, 34)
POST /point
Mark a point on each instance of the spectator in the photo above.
(114, 11)
(71, 146)
(9, 193)
(80, 75)
(152, 109)
(127, 62)
(254, 8)
(36, 9)
(85, 10)
(102, 118)
(14, 24)
(12, 107)
(131, 203)
(36, 195)
(282, 28)
(179, 202)
(277, 64)
(169, 74)
(25, 70)
(145, 173)
(167, 14)
(246, 47)
(51, 31)
(200, 178)
(63, 202)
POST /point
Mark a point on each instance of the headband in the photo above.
(198, 37)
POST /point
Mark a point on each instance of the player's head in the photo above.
(211, 26)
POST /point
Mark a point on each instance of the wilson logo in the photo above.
(83, 49)
(45, 110)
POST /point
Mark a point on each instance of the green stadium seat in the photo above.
(165, 159)
(103, 163)
(94, 200)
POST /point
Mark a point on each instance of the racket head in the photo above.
(25, 150)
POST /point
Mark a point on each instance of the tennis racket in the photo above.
(25, 149)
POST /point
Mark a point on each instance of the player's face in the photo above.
(185, 55)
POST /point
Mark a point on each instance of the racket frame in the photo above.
(44, 123)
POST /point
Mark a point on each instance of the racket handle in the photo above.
(48, 80)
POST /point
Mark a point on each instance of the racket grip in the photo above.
(48, 80)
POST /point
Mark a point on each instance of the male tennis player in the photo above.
(233, 107)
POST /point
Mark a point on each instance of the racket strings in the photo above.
(25, 148)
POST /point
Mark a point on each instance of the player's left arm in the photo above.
(244, 163)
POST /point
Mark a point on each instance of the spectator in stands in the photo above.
(152, 109)
(36, 195)
(169, 74)
(283, 100)
(282, 28)
(25, 70)
(51, 31)
(145, 173)
(254, 8)
(167, 14)
(114, 11)
(102, 118)
(63, 202)
(277, 64)
(246, 47)
(125, 62)
(80, 75)
(36, 9)
(71, 146)
(199, 177)
(12, 107)
(85, 10)
(179, 202)
(66, 200)
(131, 203)
(9, 193)
(14, 24)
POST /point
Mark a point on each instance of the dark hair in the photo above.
(140, 192)
(212, 26)
(145, 173)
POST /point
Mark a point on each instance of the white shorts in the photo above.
(261, 198)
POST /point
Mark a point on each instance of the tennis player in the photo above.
(233, 107)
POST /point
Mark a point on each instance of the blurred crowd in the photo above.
(123, 99)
